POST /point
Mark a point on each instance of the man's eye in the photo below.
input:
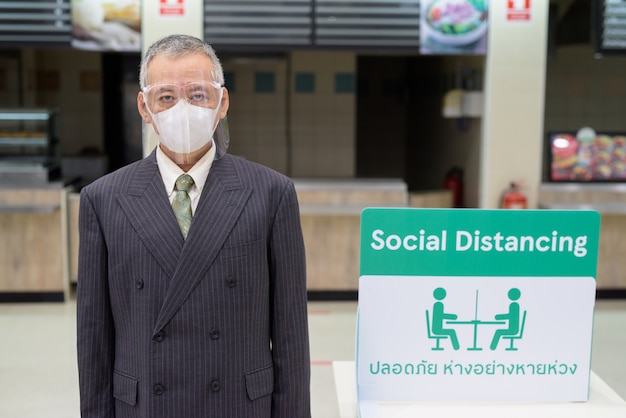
(166, 98)
(196, 97)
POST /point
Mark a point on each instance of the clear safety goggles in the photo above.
(162, 96)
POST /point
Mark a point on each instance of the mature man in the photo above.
(191, 287)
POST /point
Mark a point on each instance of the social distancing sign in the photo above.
(475, 305)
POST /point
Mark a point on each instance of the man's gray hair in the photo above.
(175, 46)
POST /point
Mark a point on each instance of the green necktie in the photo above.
(182, 203)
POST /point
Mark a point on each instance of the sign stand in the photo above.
(470, 305)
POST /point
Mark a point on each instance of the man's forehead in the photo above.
(181, 77)
(180, 70)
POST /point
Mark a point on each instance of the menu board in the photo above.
(598, 157)
(106, 25)
(610, 26)
(453, 27)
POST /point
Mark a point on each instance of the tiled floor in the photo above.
(38, 367)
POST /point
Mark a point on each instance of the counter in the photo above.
(610, 201)
(330, 212)
(330, 215)
(34, 252)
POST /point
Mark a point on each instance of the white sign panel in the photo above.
(436, 339)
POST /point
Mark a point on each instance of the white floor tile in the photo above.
(38, 375)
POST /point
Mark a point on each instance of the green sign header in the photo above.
(479, 242)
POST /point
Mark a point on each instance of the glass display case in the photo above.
(29, 146)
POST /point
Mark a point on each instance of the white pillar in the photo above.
(512, 134)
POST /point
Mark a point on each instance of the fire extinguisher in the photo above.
(513, 198)
(454, 182)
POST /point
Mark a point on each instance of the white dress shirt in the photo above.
(199, 173)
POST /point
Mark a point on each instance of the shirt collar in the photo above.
(199, 172)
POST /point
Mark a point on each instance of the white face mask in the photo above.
(185, 128)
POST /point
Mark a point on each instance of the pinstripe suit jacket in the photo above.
(214, 326)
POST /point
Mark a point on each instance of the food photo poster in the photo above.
(587, 156)
(453, 27)
(106, 25)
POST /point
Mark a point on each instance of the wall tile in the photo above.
(264, 82)
(344, 83)
(304, 82)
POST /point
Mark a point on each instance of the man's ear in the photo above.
(224, 104)
(143, 111)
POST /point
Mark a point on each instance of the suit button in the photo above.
(158, 389)
(215, 334)
(160, 336)
(216, 385)
(139, 284)
(231, 282)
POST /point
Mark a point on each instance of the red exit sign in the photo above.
(172, 7)
(518, 10)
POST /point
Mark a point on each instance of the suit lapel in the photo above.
(221, 203)
(148, 210)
